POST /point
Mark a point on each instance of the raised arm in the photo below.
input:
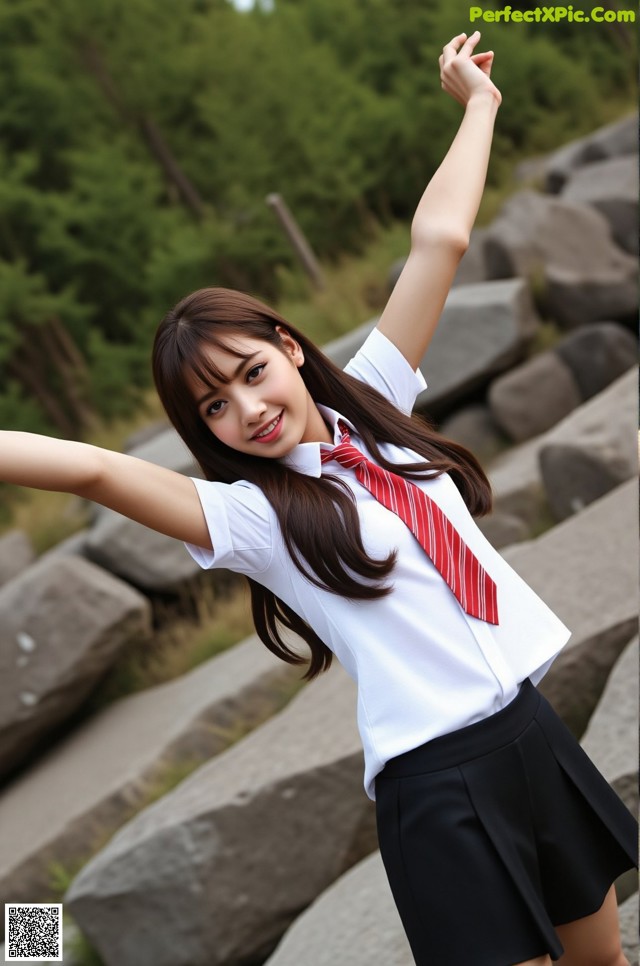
(152, 495)
(447, 210)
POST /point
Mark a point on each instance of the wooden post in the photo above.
(299, 243)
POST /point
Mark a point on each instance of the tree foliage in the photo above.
(140, 138)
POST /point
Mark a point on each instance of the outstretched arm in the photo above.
(447, 210)
(152, 495)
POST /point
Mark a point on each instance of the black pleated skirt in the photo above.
(493, 835)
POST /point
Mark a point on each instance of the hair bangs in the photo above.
(201, 364)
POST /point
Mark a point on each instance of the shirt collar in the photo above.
(305, 457)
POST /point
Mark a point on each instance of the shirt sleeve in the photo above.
(380, 364)
(240, 522)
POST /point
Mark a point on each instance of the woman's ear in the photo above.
(291, 347)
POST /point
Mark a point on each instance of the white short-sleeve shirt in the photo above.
(423, 666)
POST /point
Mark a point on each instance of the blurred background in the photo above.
(139, 139)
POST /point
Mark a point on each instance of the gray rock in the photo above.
(533, 396)
(628, 915)
(145, 435)
(484, 329)
(567, 247)
(611, 739)
(90, 781)
(585, 569)
(531, 171)
(597, 354)
(611, 187)
(575, 475)
(503, 529)
(73, 546)
(473, 426)
(603, 425)
(62, 623)
(353, 923)
(139, 555)
(589, 455)
(516, 483)
(16, 553)
(215, 871)
(590, 292)
(613, 140)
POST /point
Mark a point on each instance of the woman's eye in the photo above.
(253, 373)
(213, 408)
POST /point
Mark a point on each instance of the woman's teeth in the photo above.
(270, 428)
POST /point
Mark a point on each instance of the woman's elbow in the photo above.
(428, 238)
(92, 474)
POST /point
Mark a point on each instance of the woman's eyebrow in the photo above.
(236, 372)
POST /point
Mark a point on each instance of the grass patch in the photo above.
(356, 288)
(181, 644)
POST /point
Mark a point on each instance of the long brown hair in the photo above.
(317, 516)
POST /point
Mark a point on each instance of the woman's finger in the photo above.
(470, 43)
(485, 55)
(450, 50)
(484, 61)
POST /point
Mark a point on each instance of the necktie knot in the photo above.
(345, 454)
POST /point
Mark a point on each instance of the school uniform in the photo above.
(438, 687)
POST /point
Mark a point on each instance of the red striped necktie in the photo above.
(463, 572)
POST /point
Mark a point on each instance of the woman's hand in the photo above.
(464, 74)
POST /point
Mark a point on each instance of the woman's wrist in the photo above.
(488, 97)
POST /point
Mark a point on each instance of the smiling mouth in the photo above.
(268, 429)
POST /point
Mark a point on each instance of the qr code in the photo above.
(33, 932)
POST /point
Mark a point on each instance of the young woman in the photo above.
(353, 522)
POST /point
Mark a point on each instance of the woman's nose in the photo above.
(252, 408)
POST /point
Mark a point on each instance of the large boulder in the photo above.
(602, 429)
(589, 455)
(16, 553)
(62, 624)
(354, 923)
(611, 739)
(534, 396)
(586, 570)
(617, 139)
(215, 871)
(611, 187)
(484, 329)
(84, 788)
(598, 354)
(143, 557)
(473, 426)
(568, 247)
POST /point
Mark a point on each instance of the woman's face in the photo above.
(264, 407)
